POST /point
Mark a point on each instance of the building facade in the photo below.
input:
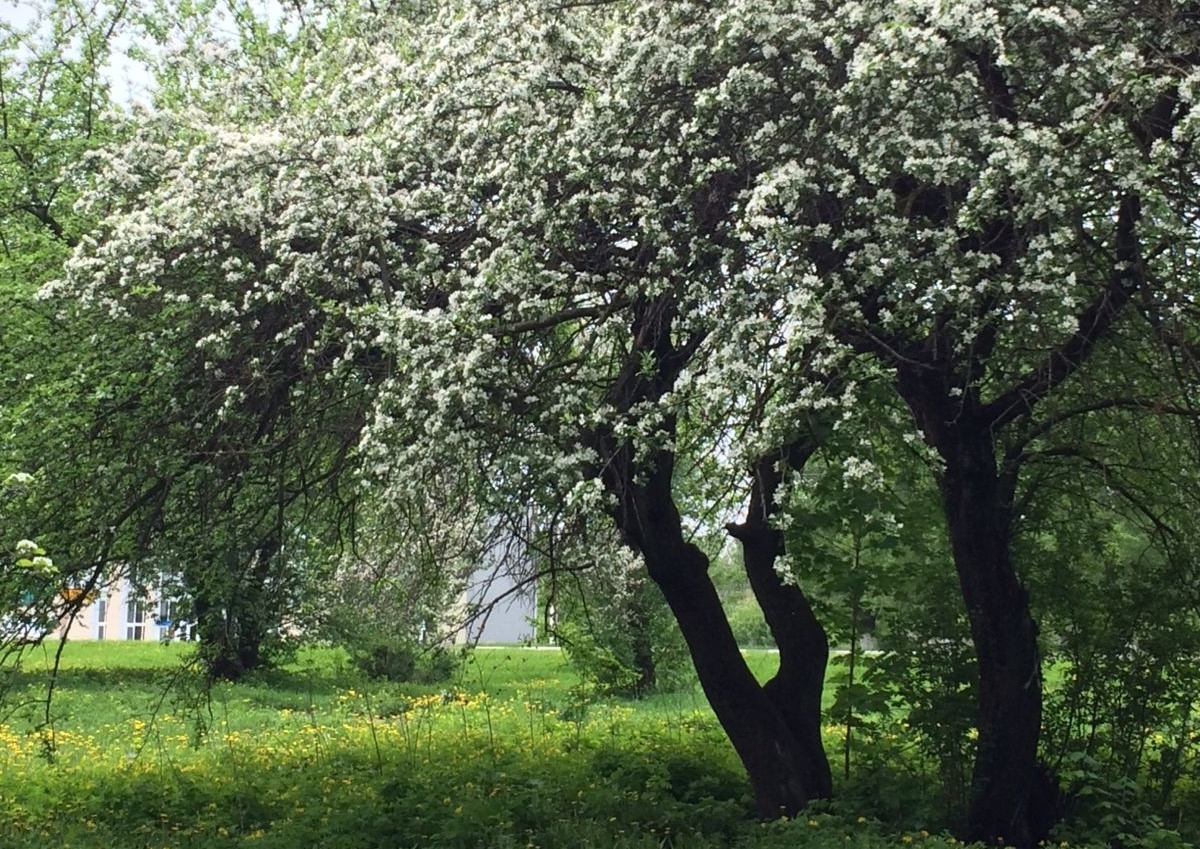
(121, 611)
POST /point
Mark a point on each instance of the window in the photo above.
(101, 616)
(135, 619)
(168, 613)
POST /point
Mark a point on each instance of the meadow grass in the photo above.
(515, 752)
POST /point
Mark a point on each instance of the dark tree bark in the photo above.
(1009, 787)
(233, 624)
(1014, 799)
(978, 519)
(775, 729)
(786, 770)
(643, 649)
(231, 639)
(796, 688)
(1012, 795)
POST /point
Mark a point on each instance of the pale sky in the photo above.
(129, 80)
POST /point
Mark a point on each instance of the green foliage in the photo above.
(615, 627)
(389, 612)
(741, 607)
(1109, 551)
(867, 541)
(53, 104)
(400, 660)
(300, 756)
(1121, 705)
(372, 762)
(746, 619)
(29, 580)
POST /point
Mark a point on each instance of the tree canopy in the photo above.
(633, 266)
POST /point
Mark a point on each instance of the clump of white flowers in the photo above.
(32, 557)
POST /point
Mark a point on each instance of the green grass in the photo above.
(106, 656)
(513, 753)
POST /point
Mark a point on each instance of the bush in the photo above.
(401, 660)
(748, 623)
(616, 629)
(626, 644)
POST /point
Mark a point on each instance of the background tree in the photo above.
(54, 110)
(158, 445)
(397, 596)
(615, 626)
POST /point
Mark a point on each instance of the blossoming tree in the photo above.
(572, 252)
(985, 192)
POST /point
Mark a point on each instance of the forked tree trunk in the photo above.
(803, 645)
(780, 764)
(774, 730)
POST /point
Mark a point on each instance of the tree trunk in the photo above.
(786, 769)
(1009, 789)
(759, 722)
(218, 645)
(796, 688)
(641, 638)
(1012, 798)
(231, 618)
(230, 641)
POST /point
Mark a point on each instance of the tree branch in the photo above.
(1000, 96)
(1095, 322)
(1016, 454)
(1115, 484)
(555, 319)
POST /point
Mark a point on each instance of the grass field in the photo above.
(512, 753)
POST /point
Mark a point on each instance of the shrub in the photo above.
(616, 629)
(400, 660)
